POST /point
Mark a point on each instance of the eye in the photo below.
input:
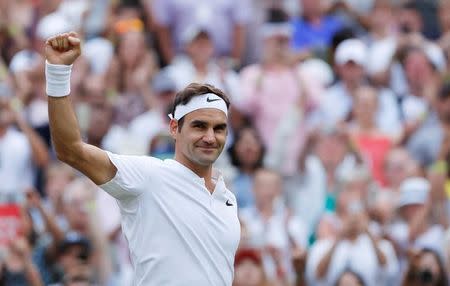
(220, 128)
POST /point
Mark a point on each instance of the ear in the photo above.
(173, 126)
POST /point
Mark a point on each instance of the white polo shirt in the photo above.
(178, 232)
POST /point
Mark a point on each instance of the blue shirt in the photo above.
(307, 36)
(242, 187)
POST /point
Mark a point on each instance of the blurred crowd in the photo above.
(339, 134)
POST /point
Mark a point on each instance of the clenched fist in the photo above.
(63, 49)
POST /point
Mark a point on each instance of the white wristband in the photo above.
(57, 79)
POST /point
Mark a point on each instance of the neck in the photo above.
(200, 170)
(200, 66)
(265, 209)
(366, 126)
(313, 18)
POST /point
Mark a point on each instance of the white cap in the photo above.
(318, 69)
(190, 33)
(351, 50)
(414, 191)
(99, 52)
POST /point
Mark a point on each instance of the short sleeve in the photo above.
(134, 175)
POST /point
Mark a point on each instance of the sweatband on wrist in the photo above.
(209, 100)
(57, 79)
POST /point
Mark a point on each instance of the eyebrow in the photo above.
(204, 123)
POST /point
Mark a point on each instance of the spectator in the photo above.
(246, 155)
(226, 23)
(269, 89)
(431, 129)
(372, 143)
(130, 72)
(415, 227)
(20, 149)
(249, 270)
(426, 268)
(200, 65)
(149, 125)
(271, 227)
(398, 166)
(350, 64)
(314, 30)
(354, 248)
(350, 278)
(79, 204)
(312, 190)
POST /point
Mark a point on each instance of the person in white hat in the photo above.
(415, 229)
(178, 216)
(350, 59)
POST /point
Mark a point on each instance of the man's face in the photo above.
(311, 7)
(351, 72)
(201, 138)
(201, 49)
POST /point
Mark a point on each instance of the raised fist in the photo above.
(63, 49)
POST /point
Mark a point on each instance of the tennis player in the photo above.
(179, 218)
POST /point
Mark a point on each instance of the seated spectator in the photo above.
(246, 155)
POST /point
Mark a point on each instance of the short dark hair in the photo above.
(192, 90)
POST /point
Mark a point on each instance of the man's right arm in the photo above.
(89, 160)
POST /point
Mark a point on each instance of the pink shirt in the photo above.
(267, 95)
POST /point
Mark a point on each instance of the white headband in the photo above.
(209, 100)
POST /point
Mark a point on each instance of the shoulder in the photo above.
(134, 162)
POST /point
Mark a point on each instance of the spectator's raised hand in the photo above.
(63, 49)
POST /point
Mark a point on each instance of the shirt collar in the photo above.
(216, 174)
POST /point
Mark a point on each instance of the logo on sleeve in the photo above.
(228, 203)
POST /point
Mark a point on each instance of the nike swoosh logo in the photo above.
(212, 100)
(228, 203)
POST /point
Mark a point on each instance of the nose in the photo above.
(209, 136)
